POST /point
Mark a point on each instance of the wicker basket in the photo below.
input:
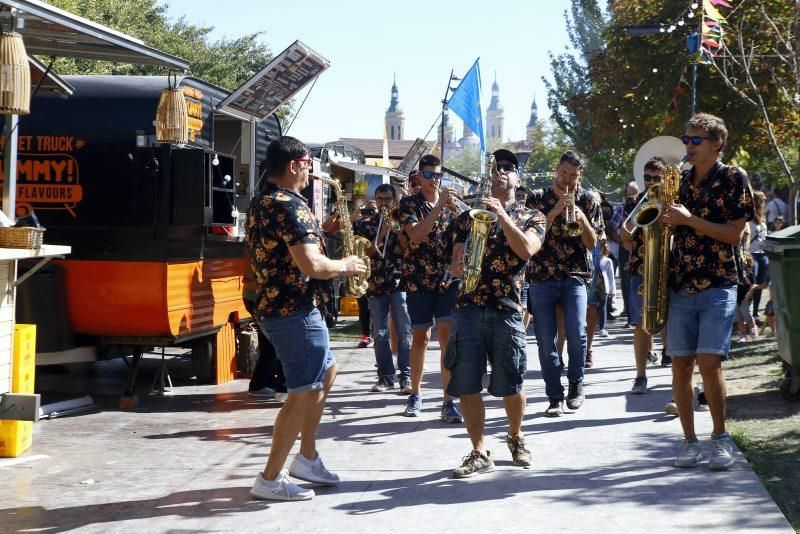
(24, 237)
(172, 118)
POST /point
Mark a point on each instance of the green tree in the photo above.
(225, 62)
(569, 70)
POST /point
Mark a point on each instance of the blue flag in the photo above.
(466, 102)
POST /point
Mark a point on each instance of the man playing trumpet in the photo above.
(560, 276)
(425, 218)
(487, 322)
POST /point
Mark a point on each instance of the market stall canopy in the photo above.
(261, 95)
(371, 169)
(49, 31)
(52, 83)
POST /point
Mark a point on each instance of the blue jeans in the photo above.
(761, 269)
(700, 323)
(379, 312)
(301, 344)
(571, 294)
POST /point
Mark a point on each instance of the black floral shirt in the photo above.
(636, 259)
(425, 265)
(382, 280)
(277, 220)
(502, 271)
(699, 261)
(563, 256)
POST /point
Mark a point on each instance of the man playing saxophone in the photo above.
(642, 341)
(715, 203)
(288, 261)
(425, 218)
(385, 294)
(560, 275)
(487, 322)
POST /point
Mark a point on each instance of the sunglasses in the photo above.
(305, 159)
(428, 175)
(652, 178)
(694, 139)
(384, 199)
(506, 167)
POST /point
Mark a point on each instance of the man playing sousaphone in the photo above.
(487, 322)
(714, 203)
(560, 275)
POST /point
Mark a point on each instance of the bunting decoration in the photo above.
(711, 29)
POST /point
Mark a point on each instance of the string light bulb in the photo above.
(215, 161)
(690, 14)
(681, 22)
(695, 5)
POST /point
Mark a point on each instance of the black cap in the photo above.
(507, 155)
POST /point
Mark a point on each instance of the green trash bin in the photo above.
(783, 251)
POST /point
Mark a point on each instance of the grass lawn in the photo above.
(346, 329)
(766, 427)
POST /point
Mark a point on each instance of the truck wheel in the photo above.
(204, 360)
(786, 390)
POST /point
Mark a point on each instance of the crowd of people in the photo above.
(550, 259)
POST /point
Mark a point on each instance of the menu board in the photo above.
(280, 80)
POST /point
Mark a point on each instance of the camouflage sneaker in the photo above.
(519, 453)
(475, 463)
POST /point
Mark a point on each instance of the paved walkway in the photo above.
(186, 463)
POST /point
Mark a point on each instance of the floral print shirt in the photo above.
(277, 220)
(563, 256)
(699, 261)
(382, 280)
(424, 266)
(636, 259)
(502, 271)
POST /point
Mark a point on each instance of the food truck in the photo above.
(156, 230)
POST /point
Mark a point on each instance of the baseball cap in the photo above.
(507, 155)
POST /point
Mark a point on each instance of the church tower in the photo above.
(494, 115)
(449, 133)
(532, 130)
(394, 120)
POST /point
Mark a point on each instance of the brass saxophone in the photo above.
(352, 245)
(657, 245)
(482, 221)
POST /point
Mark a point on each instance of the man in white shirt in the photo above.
(776, 207)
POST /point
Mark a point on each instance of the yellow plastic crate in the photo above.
(15, 437)
(348, 306)
(23, 366)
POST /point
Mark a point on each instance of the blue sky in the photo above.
(367, 42)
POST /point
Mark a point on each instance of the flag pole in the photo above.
(444, 111)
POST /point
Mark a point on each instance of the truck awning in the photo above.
(280, 80)
(52, 82)
(371, 169)
(49, 31)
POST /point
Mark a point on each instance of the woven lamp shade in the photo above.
(172, 118)
(15, 75)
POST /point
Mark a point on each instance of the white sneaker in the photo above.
(280, 489)
(721, 453)
(311, 470)
(690, 455)
(603, 333)
(280, 396)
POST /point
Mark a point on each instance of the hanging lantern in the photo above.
(15, 75)
(172, 117)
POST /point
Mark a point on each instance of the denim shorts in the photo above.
(424, 307)
(701, 323)
(481, 335)
(635, 302)
(301, 344)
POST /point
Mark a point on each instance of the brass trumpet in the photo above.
(572, 226)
